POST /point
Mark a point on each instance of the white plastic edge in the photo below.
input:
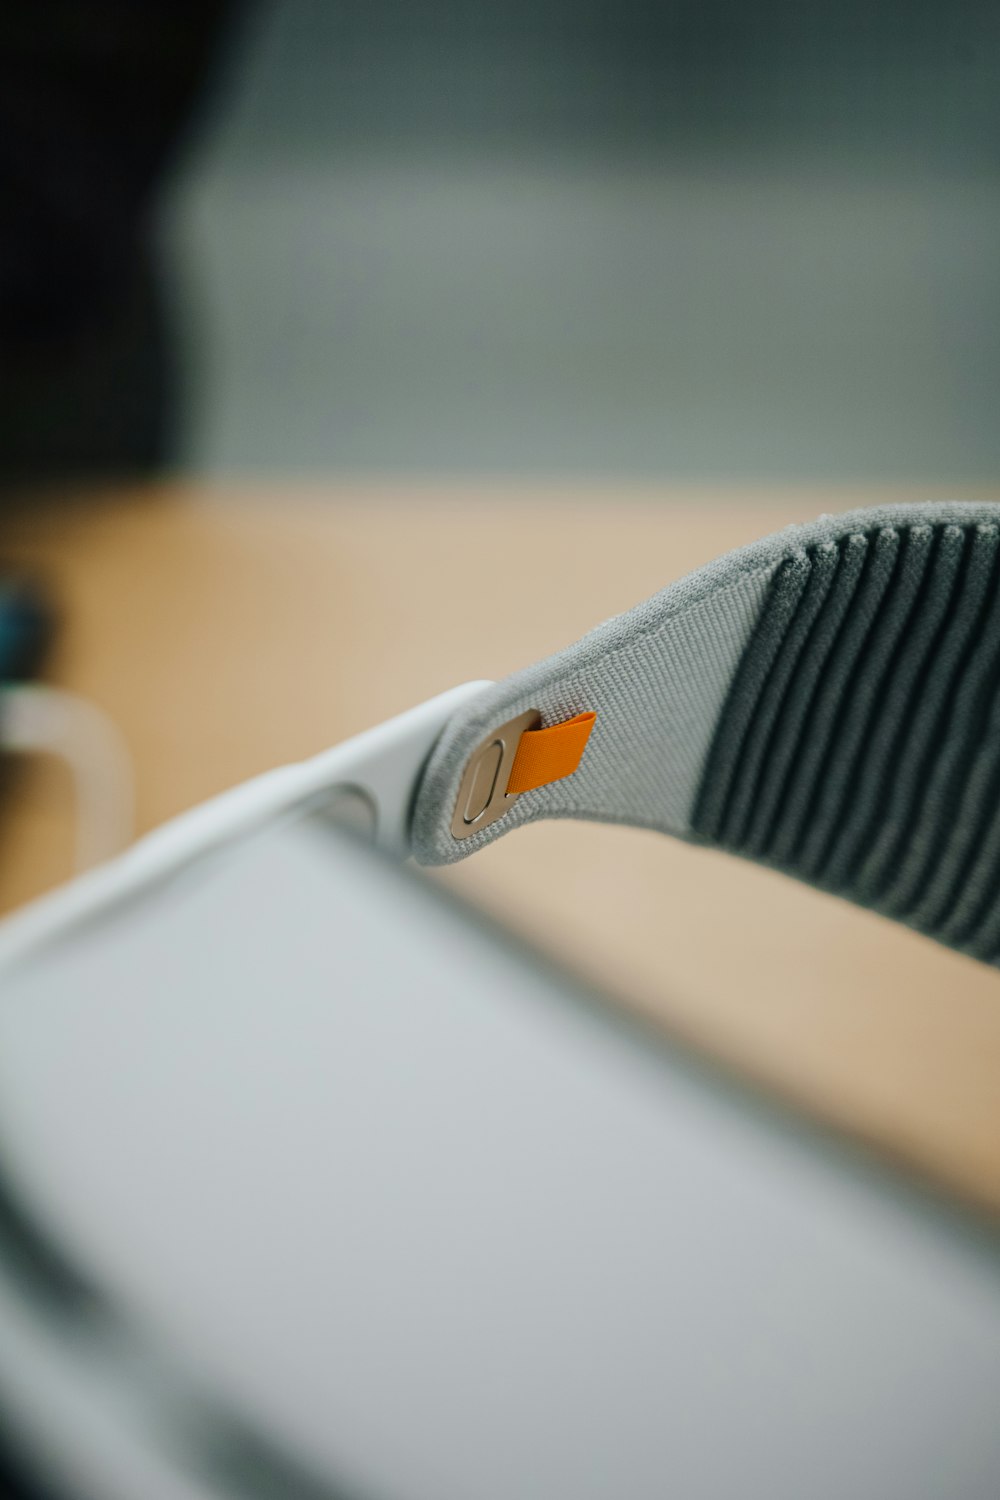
(375, 773)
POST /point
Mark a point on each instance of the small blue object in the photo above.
(25, 628)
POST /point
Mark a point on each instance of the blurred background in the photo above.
(676, 240)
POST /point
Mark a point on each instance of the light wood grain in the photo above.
(228, 632)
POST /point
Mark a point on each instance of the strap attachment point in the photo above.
(517, 757)
(547, 755)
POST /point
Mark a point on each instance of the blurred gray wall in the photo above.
(685, 240)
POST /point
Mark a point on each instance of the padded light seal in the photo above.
(826, 701)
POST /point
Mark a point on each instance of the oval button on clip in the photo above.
(482, 792)
(484, 779)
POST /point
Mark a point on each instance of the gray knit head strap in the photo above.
(826, 701)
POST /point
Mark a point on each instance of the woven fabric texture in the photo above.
(859, 747)
(657, 679)
(826, 701)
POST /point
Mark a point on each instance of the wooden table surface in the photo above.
(229, 631)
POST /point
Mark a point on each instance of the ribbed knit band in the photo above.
(859, 746)
(826, 702)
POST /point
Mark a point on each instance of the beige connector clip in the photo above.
(482, 795)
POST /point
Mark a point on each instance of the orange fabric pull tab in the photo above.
(545, 755)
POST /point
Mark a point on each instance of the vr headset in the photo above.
(311, 1183)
